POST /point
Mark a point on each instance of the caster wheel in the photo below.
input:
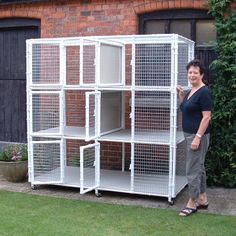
(34, 187)
(98, 194)
(171, 202)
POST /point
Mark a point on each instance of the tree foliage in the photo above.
(221, 159)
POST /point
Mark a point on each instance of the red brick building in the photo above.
(23, 19)
(87, 17)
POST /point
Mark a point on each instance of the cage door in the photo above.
(92, 123)
(46, 162)
(89, 167)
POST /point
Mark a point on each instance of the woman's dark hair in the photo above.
(196, 63)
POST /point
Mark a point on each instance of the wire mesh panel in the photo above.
(46, 161)
(46, 112)
(153, 64)
(92, 118)
(73, 65)
(181, 159)
(92, 114)
(89, 67)
(45, 64)
(152, 116)
(180, 178)
(89, 167)
(73, 152)
(151, 169)
(183, 59)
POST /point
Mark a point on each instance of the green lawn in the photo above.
(25, 214)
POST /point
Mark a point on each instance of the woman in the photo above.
(196, 106)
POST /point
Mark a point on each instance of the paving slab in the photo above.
(222, 201)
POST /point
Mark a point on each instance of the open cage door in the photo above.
(92, 123)
(47, 162)
(89, 167)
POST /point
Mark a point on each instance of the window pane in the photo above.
(182, 27)
(205, 32)
(155, 27)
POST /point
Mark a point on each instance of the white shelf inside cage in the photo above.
(115, 180)
(124, 135)
(69, 131)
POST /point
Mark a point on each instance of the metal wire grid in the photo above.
(152, 116)
(92, 115)
(45, 64)
(73, 65)
(151, 168)
(45, 112)
(181, 159)
(73, 152)
(183, 59)
(179, 120)
(153, 64)
(89, 155)
(46, 162)
(89, 67)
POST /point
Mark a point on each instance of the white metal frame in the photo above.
(170, 138)
(46, 178)
(96, 114)
(84, 188)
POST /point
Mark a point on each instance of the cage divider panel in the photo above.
(110, 64)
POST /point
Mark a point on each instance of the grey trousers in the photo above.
(195, 169)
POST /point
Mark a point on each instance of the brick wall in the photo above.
(82, 18)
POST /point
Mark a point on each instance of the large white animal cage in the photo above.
(103, 113)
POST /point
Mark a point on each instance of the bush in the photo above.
(14, 152)
(221, 159)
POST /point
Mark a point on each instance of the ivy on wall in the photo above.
(221, 159)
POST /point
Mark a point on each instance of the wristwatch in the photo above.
(199, 135)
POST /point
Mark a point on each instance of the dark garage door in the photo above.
(13, 35)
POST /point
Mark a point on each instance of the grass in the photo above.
(29, 215)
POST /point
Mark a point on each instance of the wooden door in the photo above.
(13, 125)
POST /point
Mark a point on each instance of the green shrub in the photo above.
(14, 152)
(221, 159)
